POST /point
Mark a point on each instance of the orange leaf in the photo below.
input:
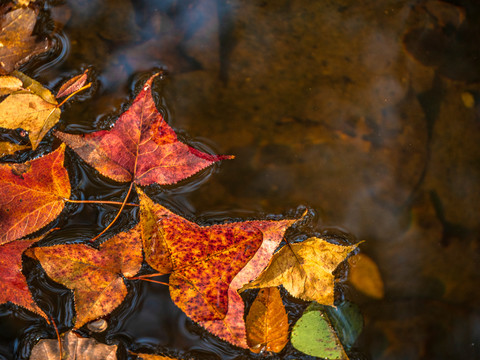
(96, 276)
(208, 264)
(72, 85)
(141, 147)
(267, 322)
(17, 43)
(13, 287)
(32, 194)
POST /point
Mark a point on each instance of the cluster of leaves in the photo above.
(208, 266)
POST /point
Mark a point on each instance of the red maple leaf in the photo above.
(141, 147)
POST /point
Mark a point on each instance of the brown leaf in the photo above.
(267, 322)
(96, 276)
(32, 194)
(72, 85)
(74, 347)
(305, 269)
(17, 45)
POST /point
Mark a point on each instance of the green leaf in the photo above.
(314, 335)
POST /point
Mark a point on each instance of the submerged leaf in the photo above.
(313, 335)
(267, 322)
(365, 276)
(141, 147)
(96, 276)
(305, 269)
(73, 347)
(13, 287)
(32, 194)
(17, 44)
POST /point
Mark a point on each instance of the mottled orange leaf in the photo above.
(73, 347)
(208, 264)
(72, 85)
(13, 285)
(17, 44)
(141, 147)
(267, 322)
(32, 194)
(95, 276)
(305, 269)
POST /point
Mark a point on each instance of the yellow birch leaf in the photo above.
(267, 322)
(8, 148)
(305, 269)
(9, 84)
(365, 276)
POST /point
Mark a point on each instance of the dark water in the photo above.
(365, 112)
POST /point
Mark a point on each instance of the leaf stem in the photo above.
(118, 214)
(150, 280)
(146, 276)
(58, 337)
(99, 202)
(69, 96)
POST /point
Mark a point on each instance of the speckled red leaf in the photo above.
(208, 264)
(141, 147)
(96, 276)
(13, 285)
(32, 194)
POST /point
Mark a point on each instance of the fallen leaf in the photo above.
(95, 276)
(74, 347)
(13, 287)
(313, 335)
(267, 322)
(152, 357)
(365, 276)
(32, 194)
(305, 269)
(33, 109)
(72, 85)
(141, 147)
(9, 84)
(17, 45)
(208, 264)
(8, 148)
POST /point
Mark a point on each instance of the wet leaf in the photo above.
(347, 321)
(141, 147)
(32, 194)
(208, 264)
(9, 84)
(17, 44)
(267, 322)
(13, 287)
(33, 109)
(305, 269)
(73, 347)
(8, 148)
(313, 335)
(95, 276)
(152, 357)
(72, 85)
(365, 276)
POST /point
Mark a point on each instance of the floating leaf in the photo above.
(9, 84)
(208, 264)
(32, 194)
(13, 287)
(17, 44)
(141, 147)
(73, 347)
(73, 85)
(313, 335)
(8, 148)
(96, 276)
(152, 357)
(267, 322)
(365, 276)
(305, 269)
(33, 109)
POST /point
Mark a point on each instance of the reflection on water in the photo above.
(354, 109)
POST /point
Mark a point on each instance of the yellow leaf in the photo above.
(305, 269)
(31, 112)
(267, 322)
(365, 276)
(9, 84)
(8, 148)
